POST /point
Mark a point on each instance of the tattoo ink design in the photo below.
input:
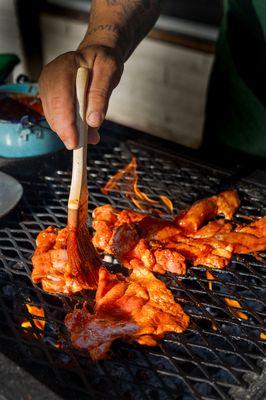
(137, 17)
(145, 3)
(131, 21)
(104, 27)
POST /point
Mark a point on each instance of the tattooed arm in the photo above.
(115, 29)
(123, 22)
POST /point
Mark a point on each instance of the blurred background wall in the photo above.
(164, 85)
(9, 32)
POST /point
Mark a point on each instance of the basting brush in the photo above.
(84, 261)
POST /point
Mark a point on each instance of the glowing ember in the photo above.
(35, 312)
(229, 302)
(126, 181)
(263, 336)
(235, 304)
(210, 277)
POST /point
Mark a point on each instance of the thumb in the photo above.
(93, 136)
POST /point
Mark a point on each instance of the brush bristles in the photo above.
(83, 259)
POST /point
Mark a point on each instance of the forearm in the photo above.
(120, 24)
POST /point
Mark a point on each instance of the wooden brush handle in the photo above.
(78, 197)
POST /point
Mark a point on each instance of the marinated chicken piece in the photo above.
(212, 229)
(225, 203)
(51, 267)
(246, 239)
(257, 228)
(194, 218)
(209, 252)
(149, 228)
(214, 252)
(243, 243)
(139, 308)
(243, 240)
(161, 246)
(131, 250)
(117, 231)
(107, 220)
(217, 257)
(156, 229)
(178, 250)
(155, 257)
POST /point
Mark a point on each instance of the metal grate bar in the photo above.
(205, 362)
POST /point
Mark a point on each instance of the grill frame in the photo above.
(182, 366)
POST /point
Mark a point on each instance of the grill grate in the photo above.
(206, 362)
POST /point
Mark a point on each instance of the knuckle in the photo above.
(98, 93)
(112, 63)
(53, 123)
(106, 57)
(66, 58)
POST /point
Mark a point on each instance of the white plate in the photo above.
(10, 193)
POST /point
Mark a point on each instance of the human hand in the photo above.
(57, 90)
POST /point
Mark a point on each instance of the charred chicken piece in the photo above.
(51, 267)
(139, 308)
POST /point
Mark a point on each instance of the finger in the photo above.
(93, 136)
(100, 89)
(57, 91)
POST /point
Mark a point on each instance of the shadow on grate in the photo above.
(205, 362)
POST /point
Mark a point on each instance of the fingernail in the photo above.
(69, 144)
(95, 119)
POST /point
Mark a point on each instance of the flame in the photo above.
(263, 336)
(127, 173)
(235, 304)
(126, 181)
(141, 195)
(36, 312)
(168, 203)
